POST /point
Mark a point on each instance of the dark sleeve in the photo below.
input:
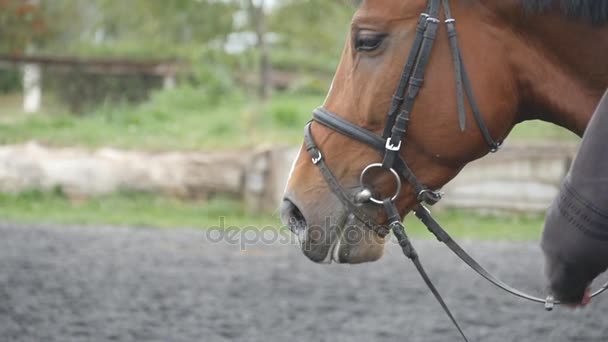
(575, 236)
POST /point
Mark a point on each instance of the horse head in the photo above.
(445, 127)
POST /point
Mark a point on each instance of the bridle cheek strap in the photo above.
(333, 183)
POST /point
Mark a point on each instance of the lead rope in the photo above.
(442, 235)
(398, 229)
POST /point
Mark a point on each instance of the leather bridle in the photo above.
(390, 144)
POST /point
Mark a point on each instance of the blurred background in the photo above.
(132, 130)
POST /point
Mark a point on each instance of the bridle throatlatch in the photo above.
(389, 145)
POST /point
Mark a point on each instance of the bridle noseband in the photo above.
(390, 145)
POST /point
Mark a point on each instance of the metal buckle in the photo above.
(496, 148)
(450, 20)
(433, 20)
(549, 303)
(318, 158)
(389, 145)
(392, 171)
(437, 194)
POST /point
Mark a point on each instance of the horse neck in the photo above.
(560, 66)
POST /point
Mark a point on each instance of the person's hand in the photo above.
(569, 283)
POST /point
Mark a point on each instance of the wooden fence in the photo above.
(522, 177)
(33, 66)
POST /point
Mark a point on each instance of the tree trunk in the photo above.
(258, 20)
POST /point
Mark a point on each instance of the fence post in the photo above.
(265, 179)
(255, 191)
(32, 89)
(169, 82)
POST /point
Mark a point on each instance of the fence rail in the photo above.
(522, 178)
(33, 66)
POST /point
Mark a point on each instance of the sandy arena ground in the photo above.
(119, 284)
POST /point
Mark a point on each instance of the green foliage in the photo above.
(313, 33)
(168, 23)
(135, 28)
(82, 92)
(284, 58)
(286, 116)
(310, 86)
(21, 23)
(188, 118)
(313, 25)
(182, 119)
(212, 70)
(10, 81)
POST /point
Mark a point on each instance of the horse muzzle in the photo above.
(331, 235)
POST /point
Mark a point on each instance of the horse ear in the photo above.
(575, 236)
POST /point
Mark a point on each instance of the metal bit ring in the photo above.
(391, 170)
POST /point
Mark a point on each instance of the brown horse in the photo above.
(526, 59)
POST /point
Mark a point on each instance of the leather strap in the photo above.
(398, 97)
(334, 185)
(450, 24)
(442, 235)
(463, 83)
(409, 251)
(349, 129)
(401, 123)
(494, 145)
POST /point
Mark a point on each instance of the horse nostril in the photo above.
(292, 217)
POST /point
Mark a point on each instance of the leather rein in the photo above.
(390, 143)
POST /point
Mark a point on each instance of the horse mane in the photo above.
(592, 11)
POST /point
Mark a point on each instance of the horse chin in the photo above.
(349, 243)
(358, 244)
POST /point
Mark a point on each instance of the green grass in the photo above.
(465, 224)
(540, 130)
(181, 119)
(126, 209)
(187, 119)
(146, 210)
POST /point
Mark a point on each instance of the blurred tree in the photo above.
(137, 27)
(256, 11)
(313, 29)
(313, 24)
(21, 23)
(310, 32)
(163, 23)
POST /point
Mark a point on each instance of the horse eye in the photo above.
(368, 41)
